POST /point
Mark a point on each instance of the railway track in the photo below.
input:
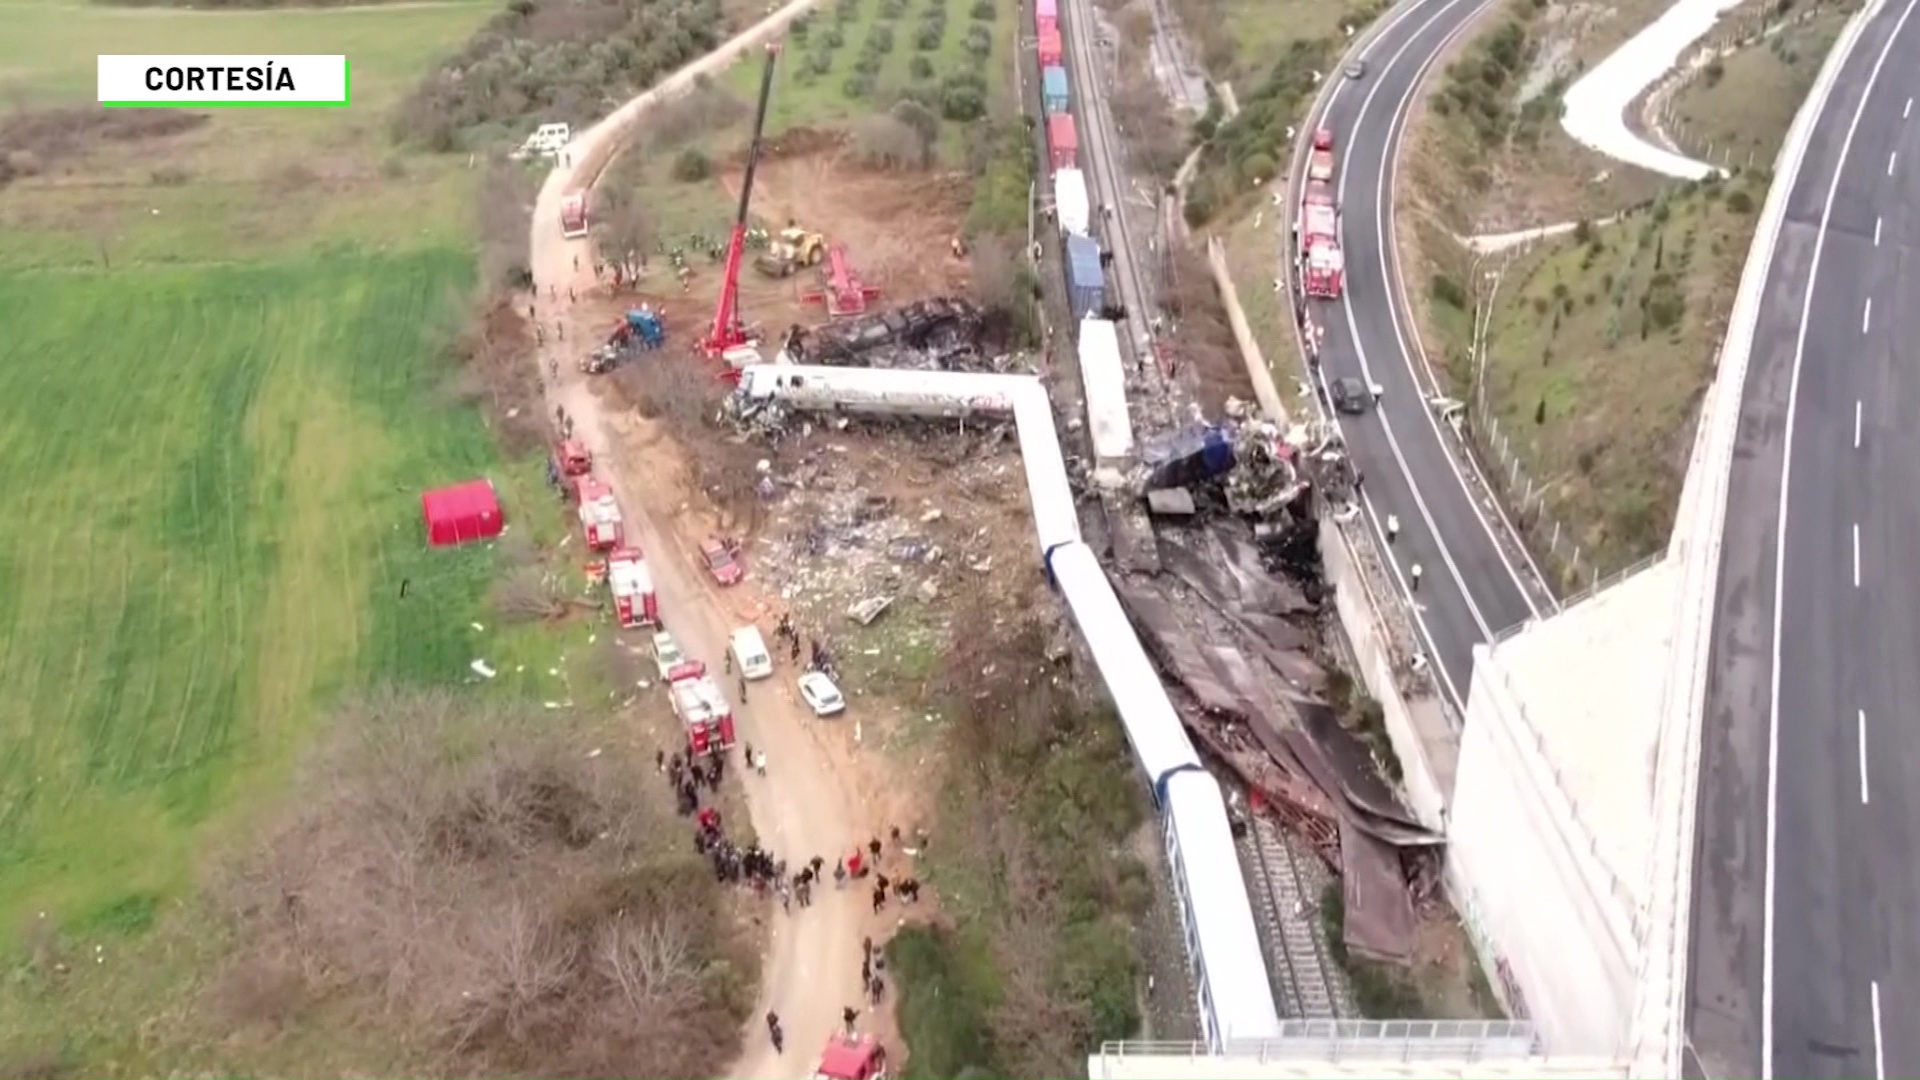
(1286, 889)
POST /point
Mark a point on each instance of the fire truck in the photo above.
(1323, 269)
(852, 1057)
(634, 602)
(573, 216)
(599, 514)
(701, 708)
(1320, 160)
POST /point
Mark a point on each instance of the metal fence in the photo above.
(1373, 1041)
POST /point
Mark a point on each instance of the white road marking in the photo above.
(1858, 409)
(1856, 554)
(1876, 232)
(1879, 1044)
(1891, 159)
(1780, 555)
(1863, 770)
(1866, 316)
(1908, 111)
(1366, 369)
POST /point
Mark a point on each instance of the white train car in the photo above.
(1154, 730)
(1223, 946)
(1229, 969)
(1104, 378)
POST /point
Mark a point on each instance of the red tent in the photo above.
(462, 514)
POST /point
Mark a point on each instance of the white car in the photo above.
(822, 696)
(666, 652)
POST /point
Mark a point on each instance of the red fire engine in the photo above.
(600, 518)
(852, 1057)
(701, 708)
(634, 601)
(1323, 269)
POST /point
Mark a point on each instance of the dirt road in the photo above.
(803, 806)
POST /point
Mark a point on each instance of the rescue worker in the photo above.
(760, 763)
(1393, 527)
(774, 1033)
(1414, 576)
(847, 1016)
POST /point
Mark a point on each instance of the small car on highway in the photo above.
(1349, 396)
(824, 698)
(1357, 69)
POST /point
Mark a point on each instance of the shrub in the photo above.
(1445, 290)
(927, 39)
(692, 166)
(1740, 202)
(963, 98)
(981, 10)
(920, 68)
(880, 38)
(979, 41)
(857, 86)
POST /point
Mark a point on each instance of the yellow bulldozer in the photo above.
(794, 249)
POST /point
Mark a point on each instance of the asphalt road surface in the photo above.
(1468, 590)
(1806, 923)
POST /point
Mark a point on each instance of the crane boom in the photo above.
(728, 332)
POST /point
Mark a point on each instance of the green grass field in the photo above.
(1599, 352)
(1743, 104)
(220, 349)
(253, 182)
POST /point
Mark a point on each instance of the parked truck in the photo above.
(702, 710)
(852, 1057)
(635, 604)
(600, 521)
(573, 216)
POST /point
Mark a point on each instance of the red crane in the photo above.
(728, 332)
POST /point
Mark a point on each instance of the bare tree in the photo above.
(454, 863)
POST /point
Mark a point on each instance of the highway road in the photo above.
(1805, 946)
(1470, 588)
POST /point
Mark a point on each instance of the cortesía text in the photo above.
(216, 79)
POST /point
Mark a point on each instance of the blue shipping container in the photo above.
(1188, 456)
(1053, 89)
(1086, 279)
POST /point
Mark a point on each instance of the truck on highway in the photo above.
(1320, 159)
(1323, 269)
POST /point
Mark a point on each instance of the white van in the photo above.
(750, 653)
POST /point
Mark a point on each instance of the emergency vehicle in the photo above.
(702, 710)
(634, 601)
(600, 520)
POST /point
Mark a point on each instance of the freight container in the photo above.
(1053, 89)
(1047, 9)
(1070, 203)
(1046, 24)
(1086, 279)
(1049, 47)
(1063, 143)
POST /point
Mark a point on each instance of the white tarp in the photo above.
(1105, 382)
(1070, 201)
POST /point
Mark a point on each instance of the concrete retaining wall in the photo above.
(1515, 867)
(1418, 731)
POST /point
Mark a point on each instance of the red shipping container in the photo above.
(1046, 24)
(1063, 143)
(1050, 48)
